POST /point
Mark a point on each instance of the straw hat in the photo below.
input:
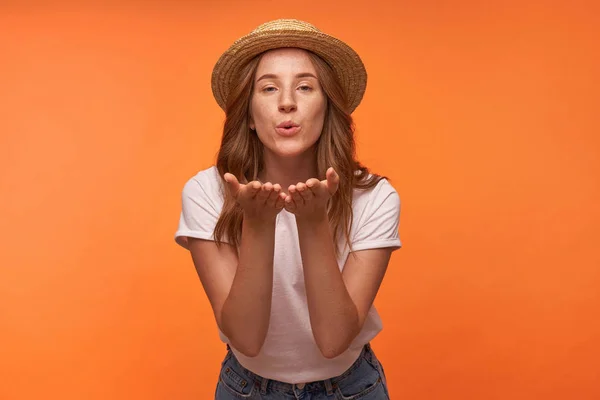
(291, 33)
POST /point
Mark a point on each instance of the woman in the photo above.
(289, 234)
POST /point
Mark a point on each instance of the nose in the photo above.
(287, 101)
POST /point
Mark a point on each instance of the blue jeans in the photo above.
(365, 380)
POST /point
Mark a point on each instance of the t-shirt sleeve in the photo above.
(379, 225)
(201, 205)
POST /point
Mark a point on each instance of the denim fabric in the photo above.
(364, 380)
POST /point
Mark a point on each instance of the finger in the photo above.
(279, 197)
(253, 188)
(265, 192)
(333, 180)
(280, 203)
(296, 196)
(315, 186)
(305, 192)
(233, 185)
(290, 204)
(273, 194)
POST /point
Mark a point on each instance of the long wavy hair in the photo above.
(241, 152)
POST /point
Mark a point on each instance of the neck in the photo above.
(289, 170)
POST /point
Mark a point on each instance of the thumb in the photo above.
(233, 184)
(333, 181)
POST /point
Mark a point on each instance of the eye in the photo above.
(305, 88)
(269, 89)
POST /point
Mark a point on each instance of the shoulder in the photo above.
(205, 183)
(208, 176)
(375, 207)
(381, 192)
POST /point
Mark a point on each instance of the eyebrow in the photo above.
(300, 75)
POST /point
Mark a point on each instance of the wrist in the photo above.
(258, 221)
(312, 220)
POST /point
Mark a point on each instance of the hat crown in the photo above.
(286, 25)
(291, 33)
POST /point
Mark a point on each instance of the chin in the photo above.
(290, 150)
(288, 153)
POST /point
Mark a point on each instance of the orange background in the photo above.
(485, 117)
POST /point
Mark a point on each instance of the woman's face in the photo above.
(287, 108)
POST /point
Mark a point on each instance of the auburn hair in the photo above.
(241, 152)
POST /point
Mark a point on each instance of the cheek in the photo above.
(255, 109)
(318, 114)
(320, 105)
(259, 115)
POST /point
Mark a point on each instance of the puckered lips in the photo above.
(288, 128)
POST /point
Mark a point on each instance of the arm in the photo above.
(247, 309)
(338, 303)
(240, 290)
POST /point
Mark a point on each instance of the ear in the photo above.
(251, 124)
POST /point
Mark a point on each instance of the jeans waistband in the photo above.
(328, 384)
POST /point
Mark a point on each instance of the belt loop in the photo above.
(328, 387)
(368, 352)
(263, 386)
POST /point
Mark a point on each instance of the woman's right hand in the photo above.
(260, 201)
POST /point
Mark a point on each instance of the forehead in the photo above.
(286, 60)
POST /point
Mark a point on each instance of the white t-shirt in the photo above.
(290, 353)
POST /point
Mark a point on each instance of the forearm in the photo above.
(247, 309)
(333, 314)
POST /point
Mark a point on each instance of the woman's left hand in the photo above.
(309, 200)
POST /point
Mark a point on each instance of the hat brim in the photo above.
(344, 61)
